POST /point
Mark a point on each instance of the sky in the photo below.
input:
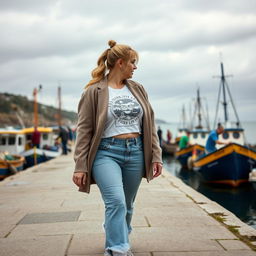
(180, 44)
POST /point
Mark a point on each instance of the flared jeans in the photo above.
(118, 169)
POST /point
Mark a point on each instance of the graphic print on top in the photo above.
(126, 110)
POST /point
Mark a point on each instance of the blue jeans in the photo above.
(118, 169)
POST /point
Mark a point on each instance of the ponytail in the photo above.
(99, 72)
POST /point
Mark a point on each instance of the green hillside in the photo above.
(15, 107)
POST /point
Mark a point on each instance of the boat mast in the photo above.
(199, 110)
(184, 121)
(59, 107)
(35, 92)
(35, 108)
(223, 87)
(223, 81)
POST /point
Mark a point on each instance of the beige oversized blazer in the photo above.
(92, 115)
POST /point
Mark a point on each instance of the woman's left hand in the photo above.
(157, 169)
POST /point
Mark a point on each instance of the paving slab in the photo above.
(206, 253)
(58, 228)
(40, 246)
(233, 245)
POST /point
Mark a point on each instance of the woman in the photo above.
(116, 142)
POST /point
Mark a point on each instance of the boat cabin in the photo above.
(181, 132)
(16, 141)
(12, 141)
(46, 135)
(234, 135)
(198, 136)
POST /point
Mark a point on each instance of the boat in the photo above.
(169, 148)
(231, 164)
(47, 150)
(18, 142)
(197, 136)
(184, 154)
(10, 164)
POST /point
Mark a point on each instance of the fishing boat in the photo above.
(232, 163)
(197, 135)
(169, 148)
(10, 164)
(184, 154)
(18, 142)
(45, 152)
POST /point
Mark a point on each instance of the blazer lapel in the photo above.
(102, 108)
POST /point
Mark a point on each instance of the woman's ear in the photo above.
(120, 63)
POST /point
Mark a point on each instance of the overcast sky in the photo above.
(179, 42)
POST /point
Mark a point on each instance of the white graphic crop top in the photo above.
(124, 113)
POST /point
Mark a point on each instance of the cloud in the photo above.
(179, 42)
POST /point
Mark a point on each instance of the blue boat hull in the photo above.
(4, 172)
(39, 159)
(41, 156)
(9, 167)
(183, 154)
(183, 159)
(232, 169)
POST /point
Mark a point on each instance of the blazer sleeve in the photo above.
(84, 133)
(157, 151)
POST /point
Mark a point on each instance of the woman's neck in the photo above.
(115, 80)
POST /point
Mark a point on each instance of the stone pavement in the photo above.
(42, 213)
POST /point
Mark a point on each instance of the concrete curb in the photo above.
(212, 208)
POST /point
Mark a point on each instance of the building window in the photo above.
(45, 136)
(2, 140)
(225, 135)
(236, 135)
(11, 140)
(195, 135)
(20, 141)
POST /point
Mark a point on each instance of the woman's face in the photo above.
(129, 68)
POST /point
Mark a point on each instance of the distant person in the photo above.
(213, 140)
(35, 139)
(169, 137)
(184, 141)
(63, 135)
(160, 133)
(70, 134)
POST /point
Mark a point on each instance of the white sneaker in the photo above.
(106, 253)
(129, 253)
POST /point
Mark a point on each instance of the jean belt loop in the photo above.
(136, 141)
(112, 140)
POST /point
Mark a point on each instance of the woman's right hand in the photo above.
(79, 178)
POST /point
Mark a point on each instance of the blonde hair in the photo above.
(108, 59)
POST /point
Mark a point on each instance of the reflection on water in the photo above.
(240, 201)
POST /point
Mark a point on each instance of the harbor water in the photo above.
(241, 201)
